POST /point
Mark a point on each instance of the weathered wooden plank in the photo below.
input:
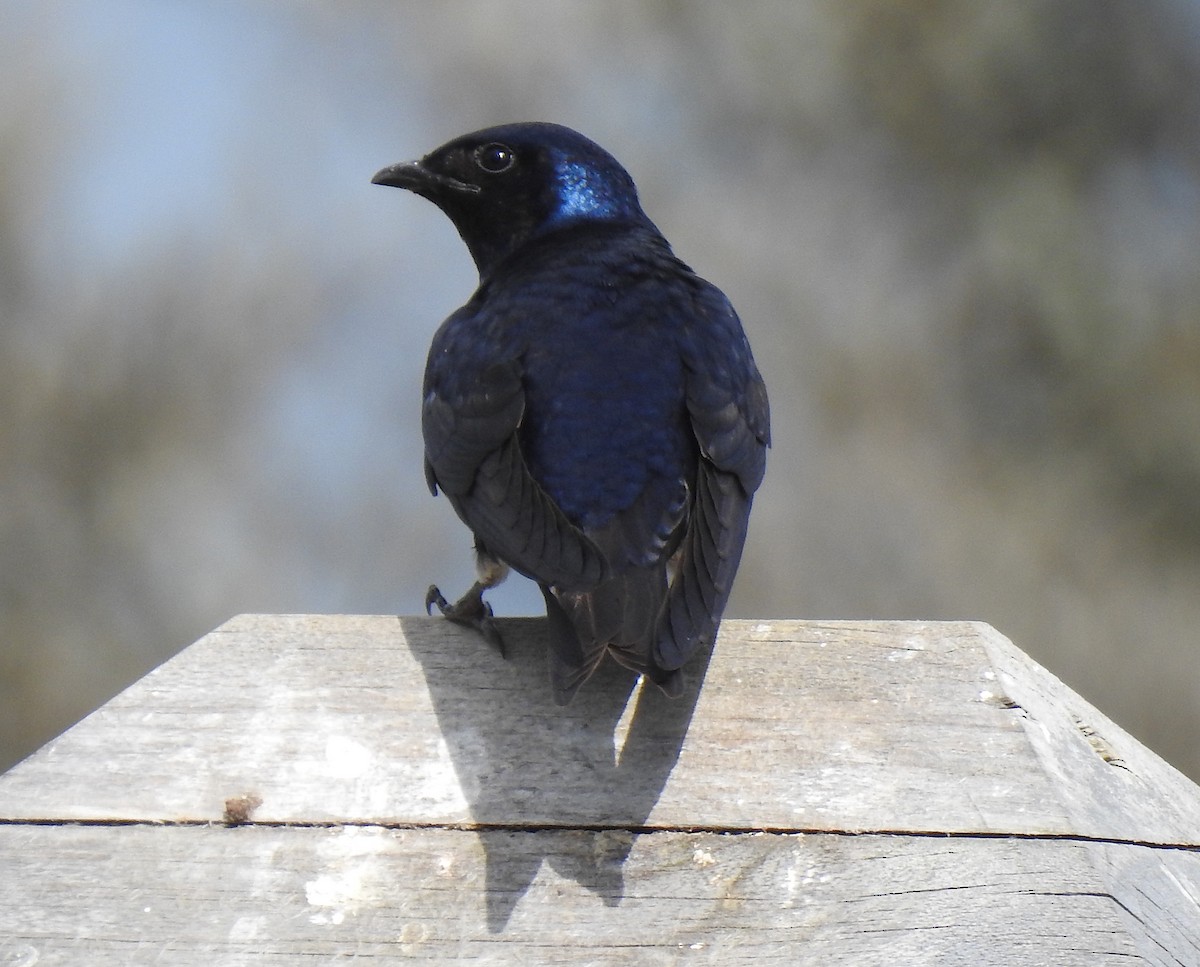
(624, 829)
(1106, 779)
(258, 895)
(802, 725)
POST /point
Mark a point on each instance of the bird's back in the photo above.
(594, 322)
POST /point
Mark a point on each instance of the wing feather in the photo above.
(472, 454)
(729, 413)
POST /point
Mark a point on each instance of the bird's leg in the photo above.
(471, 610)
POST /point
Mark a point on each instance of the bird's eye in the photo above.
(495, 157)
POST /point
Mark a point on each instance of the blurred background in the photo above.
(963, 239)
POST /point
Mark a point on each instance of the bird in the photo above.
(593, 412)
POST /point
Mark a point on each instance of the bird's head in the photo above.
(505, 185)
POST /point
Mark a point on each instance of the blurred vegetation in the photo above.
(963, 239)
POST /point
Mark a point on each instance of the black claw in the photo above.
(434, 596)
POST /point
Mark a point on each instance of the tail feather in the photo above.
(617, 617)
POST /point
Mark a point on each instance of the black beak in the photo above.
(415, 177)
(406, 174)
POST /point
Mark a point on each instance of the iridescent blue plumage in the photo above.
(586, 192)
(593, 413)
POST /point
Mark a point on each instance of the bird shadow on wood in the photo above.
(572, 787)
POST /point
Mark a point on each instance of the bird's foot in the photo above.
(470, 610)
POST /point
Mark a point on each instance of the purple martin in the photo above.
(593, 413)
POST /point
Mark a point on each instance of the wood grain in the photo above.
(284, 896)
(835, 793)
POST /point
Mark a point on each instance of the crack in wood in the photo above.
(611, 828)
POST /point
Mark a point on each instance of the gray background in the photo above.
(962, 237)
